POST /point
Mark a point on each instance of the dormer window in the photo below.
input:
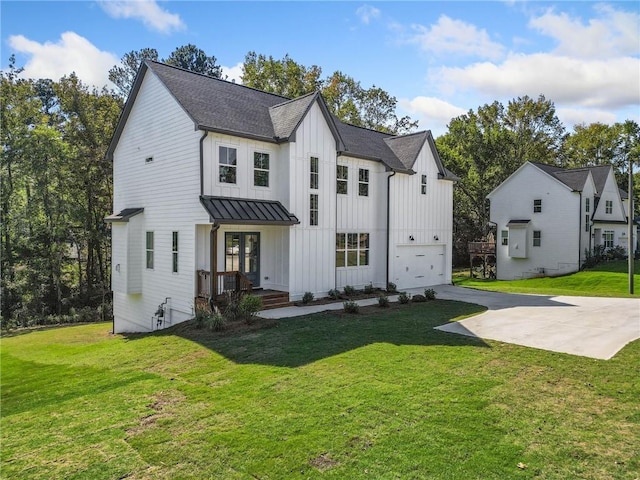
(608, 206)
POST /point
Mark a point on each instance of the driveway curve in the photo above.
(594, 327)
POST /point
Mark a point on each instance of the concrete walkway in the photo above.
(588, 326)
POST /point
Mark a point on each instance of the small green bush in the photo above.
(430, 294)
(383, 301)
(392, 287)
(215, 320)
(334, 294)
(404, 298)
(351, 307)
(307, 297)
(349, 290)
(201, 314)
(250, 305)
(419, 298)
(368, 289)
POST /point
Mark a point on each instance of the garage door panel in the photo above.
(419, 265)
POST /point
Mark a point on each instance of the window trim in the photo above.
(261, 169)
(233, 166)
(149, 250)
(342, 180)
(363, 183)
(537, 205)
(314, 220)
(360, 249)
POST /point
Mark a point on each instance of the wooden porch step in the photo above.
(275, 300)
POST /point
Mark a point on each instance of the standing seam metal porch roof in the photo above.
(247, 211)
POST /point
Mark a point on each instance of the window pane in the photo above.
(352, 241)
(175, 263)
(227, 156)
(261, 160)
(423, 189)
(175, 241)
(364, 257)
(352, 258)
(149, 240)
(343, 172)
(340, 258)
(314, 201)
(313, 218)
(364, 240)
(342, 188)
(340, 241)
(313, 181)
(363, 175)
(227, 174)
(260, 178)
(149, 258)
(363, 189)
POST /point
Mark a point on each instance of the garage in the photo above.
(417, 266)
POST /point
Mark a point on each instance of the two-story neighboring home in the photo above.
(212, 176)
(548, 218)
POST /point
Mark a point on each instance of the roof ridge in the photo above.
(421, 132)
(291, 100)
(218, 79)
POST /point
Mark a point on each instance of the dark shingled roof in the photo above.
(575, 178)
(124, 215)
(247, 211)
(220, 106)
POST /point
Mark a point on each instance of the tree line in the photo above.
(56, 183)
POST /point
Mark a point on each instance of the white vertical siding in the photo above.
(168, 189)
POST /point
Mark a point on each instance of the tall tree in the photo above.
(283, 77)
(124, 74)
(194, 59)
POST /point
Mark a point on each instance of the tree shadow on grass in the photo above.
(298, 341)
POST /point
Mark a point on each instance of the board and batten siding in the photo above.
(312, 248)
(559, 222)
(428, 219)
(168, 187)
(364, 214)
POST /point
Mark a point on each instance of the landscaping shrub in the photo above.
(351, 307)
(404, 298)
(368, 289)
(232, 311)
(383, 301)
(334, 294)
(250, 305)
(419, 298)
(392, 287)
(430, 294)
(215, 320)
(201, 314)
(349, 290)
(307, 297)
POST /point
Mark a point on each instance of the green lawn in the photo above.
(379, 395)
(604, 280)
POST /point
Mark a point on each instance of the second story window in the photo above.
(342, 175)
(174, 252)
(423, 185)
(261, 169)
(586, 223)
(363, 182)
(537, 206)
(314, 169)
(227, 159)
(608, 206)
(537, 238)
(313, 209)
(504, 236)
(587, 204)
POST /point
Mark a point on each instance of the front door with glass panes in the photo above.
(242, 253)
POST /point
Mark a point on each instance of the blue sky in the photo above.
(439, 59)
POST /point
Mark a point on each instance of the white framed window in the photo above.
(504, 237)
(607, 238)
(608, 206)
(363, 182)
(314, 173)
(342, 182)
(423, 185)
(587, 204)
(537, 238)
(149, 250)
(174, 252)
(313, 209)
(352, 249)
(537, 205)
(260, 169)
(586, 223)
(227, 164)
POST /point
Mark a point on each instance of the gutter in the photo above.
(388, 222)
(204, 135)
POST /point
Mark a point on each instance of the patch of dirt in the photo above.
(345, 298)
(189, 330)
(324, 462)
(161, 404)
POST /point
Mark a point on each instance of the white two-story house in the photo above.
(548, 218)
(212, 176)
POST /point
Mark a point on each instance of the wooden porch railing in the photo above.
(482, 248)
(225, 282)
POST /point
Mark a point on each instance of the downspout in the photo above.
(204, 135)
(388, 222)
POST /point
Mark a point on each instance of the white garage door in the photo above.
(419, 265)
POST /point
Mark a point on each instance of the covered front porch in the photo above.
(246, 245)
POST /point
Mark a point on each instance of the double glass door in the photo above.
(242, 253)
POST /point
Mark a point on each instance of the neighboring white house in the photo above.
(278, 189)
(547, 218)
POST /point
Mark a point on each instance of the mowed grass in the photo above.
(378, 395)
(605, 280)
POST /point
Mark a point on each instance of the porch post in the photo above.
(213, 264)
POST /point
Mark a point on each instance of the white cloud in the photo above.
(611, 83)
(614, 33)
(233, 74)
(152, 16)
(450, 36)
(432, 113)
(574, 116)
(72, 53)
(366, 13)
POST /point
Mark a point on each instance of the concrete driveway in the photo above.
(593, 327)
